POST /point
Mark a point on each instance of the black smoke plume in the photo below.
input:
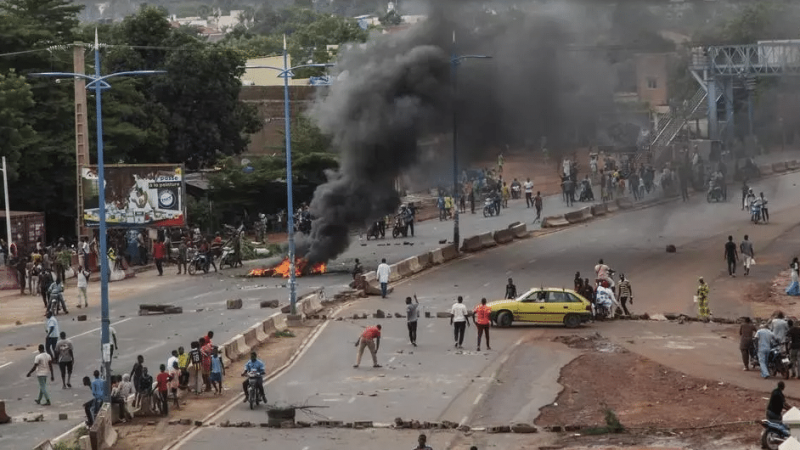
(396, 90)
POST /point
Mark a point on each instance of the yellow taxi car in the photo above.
(543, 305)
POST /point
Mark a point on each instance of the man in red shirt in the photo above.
(162, 384)
(370, 338)
(482, 313)
(159, 252)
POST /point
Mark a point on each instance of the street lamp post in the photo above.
(98, 83)
(8, 208)
(286, 72)
(455, 60)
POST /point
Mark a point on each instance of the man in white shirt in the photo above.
(52, 333)
(459, 319)
(383, 276)
(528, 186)
(172, 359)
(42, 364)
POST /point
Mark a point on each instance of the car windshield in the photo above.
(533, 296)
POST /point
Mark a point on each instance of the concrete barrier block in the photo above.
(424, 260)
(450, 252)
(250, 338)
(224, 356)
(404, 268)
(554, 222)
(280, 322)
(503, 236)
(487, 240)
(793, 165)
(4, 417)
(471, 244)
(102, 434)
(270, 303)
(766, 169)
(234, 304)
(436, 257)
(414, 265)
(624, 203)
(581, 215)
(520, 231)
(46, 445)
(779, 167)
(600, 210)
(612, 207)
(394, 273)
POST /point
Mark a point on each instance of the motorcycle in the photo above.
(253, 394)
(774, 434)
(199, 261)
(400, 226)
(755, 212)
(55, 302)
(228, 258)
(778, 362)
(714, 194)
(490, 208)
(374, 231)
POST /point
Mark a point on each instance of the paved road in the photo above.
(155, 336)
(510, 383)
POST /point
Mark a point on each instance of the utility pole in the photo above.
(81, 132)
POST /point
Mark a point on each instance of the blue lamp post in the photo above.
(455, 61)
(98, 83)
(286, 72)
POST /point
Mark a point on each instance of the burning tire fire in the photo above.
(301, 268)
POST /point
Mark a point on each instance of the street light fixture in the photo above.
(286, 72)
(98, 83)
(455, 60)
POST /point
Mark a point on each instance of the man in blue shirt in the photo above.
(98, 391)
(257, 366)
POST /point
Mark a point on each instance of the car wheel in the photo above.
(504, 319)
(572, 321)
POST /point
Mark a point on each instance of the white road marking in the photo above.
(519, 341)
(463, 420)
(6, 364)
(430, 324)
(331, 399)
(352, 399)
(306, 447)
(478, 399)
(98, 328)
(532, 261)
(486, 284)
(391, 359)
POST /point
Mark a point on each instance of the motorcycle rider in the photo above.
(516, 187)
(602, 271)
(254, 365)
(605, 297)
(495, 196)
(411, 212)
(764, 210)
(749, 198)
(205, 250)
(777, 404)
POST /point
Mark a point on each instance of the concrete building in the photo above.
(268, 77)
(268, 101)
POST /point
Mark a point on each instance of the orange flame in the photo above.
(284, 269)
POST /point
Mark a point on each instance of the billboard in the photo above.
(149, 195)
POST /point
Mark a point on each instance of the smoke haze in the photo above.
(396, 90)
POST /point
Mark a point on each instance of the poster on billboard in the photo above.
(136, 195)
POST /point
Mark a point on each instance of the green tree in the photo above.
(16, 134)
(391, 18)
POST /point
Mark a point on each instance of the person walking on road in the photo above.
(511, 289)
(764, 210)
(794, 269)
(42, 364)
(159, 251)
(183, 256)
(703, 311)
(51, 336)
(412, 314)
(793, 338)
(482, 315)
(746, 332)
(371, 339)
(625, 293)
(422, 443)
(83, 284)
(528, 187)
(731, 256)
(537, 203)
(383, 276)
(777, 404)
(746, 248)
(766, 340)
(66, 359)
(459, 319)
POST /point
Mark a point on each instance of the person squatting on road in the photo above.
(777, 404)
(66, 360)
(370, 338)
(731, 256)
(766, 340)
(412, 314)
(482, 319)
(383, 272)
(703, 311)
(746, 332)
(625, 293)
(459, 319)
(257, 366)
(42, 364)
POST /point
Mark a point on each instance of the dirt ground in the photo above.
(153, 433)
(650, 400)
